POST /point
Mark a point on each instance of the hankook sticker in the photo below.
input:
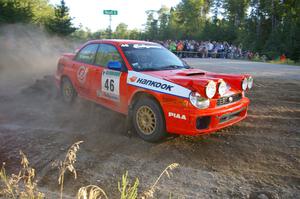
(153, 83)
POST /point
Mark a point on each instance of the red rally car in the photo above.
(158, 92)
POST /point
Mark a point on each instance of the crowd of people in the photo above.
(206, 49)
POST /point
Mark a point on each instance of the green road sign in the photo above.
(110, 12)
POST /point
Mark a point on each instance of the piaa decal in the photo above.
(177, 116)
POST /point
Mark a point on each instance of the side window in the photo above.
(87, 54)
(107, 53)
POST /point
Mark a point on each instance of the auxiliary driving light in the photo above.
(211, 89)
(250, 82)
(222, 87)
(245, 84)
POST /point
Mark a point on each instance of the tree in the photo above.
(192, 16)
(61, 23)
(235, 11)
(42, 11)
(134, 34)
(216, 9)
(163, 20)
(284, 36)
(174, 31)
(13, 11)
(121, 31)
(25, 11)
(152, 25)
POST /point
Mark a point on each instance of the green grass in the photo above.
(288, 62)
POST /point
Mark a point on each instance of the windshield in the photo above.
(143, 57)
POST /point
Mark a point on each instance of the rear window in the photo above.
(87, 54)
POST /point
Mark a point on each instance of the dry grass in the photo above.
(21, 185)
(24, 186)
(68, 165)
(91, 192)
(168, 172)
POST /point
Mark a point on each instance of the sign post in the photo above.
(110, 13)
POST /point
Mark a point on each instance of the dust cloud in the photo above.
(28, 61)
(28, 53)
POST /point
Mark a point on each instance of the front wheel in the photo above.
(148, 120)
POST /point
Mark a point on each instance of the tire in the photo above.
(68, 93)
(148, 120)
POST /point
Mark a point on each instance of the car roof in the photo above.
(120, 41)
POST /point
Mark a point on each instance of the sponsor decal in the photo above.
(156, 84)
(140, 46)
(132, 79)
(81, 74)
(177, 116)
(110, 85)
(145, 46)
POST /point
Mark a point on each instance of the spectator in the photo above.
(172, 46)
(282, 58)
(204, 49)
(179, 46)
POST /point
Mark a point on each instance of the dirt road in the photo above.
(257, 158)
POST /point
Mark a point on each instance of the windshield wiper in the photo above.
(171, 67)
(148, 69)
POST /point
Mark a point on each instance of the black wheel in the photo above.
(148, 120)
(68, 92)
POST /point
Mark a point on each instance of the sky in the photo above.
(89, 13)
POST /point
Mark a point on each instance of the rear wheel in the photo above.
(148, 120)
(68, 92)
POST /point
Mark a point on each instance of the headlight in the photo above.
(244, 84)
(250, 82)
(210, 89)
(222, 88)
(198, 101)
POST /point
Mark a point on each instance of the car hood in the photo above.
(196, 79)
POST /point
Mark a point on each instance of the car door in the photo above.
(107, 82)
(83, 66)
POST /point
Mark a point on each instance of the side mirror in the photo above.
(114, 65)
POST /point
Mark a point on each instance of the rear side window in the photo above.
(87, 54)
(107, 53)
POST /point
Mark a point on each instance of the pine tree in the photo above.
(61, 23)
(216, 6)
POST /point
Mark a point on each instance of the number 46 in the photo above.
(109, 85)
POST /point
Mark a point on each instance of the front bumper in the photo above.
(209, 120)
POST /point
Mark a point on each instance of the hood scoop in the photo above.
(191, 73)
(194, 74)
